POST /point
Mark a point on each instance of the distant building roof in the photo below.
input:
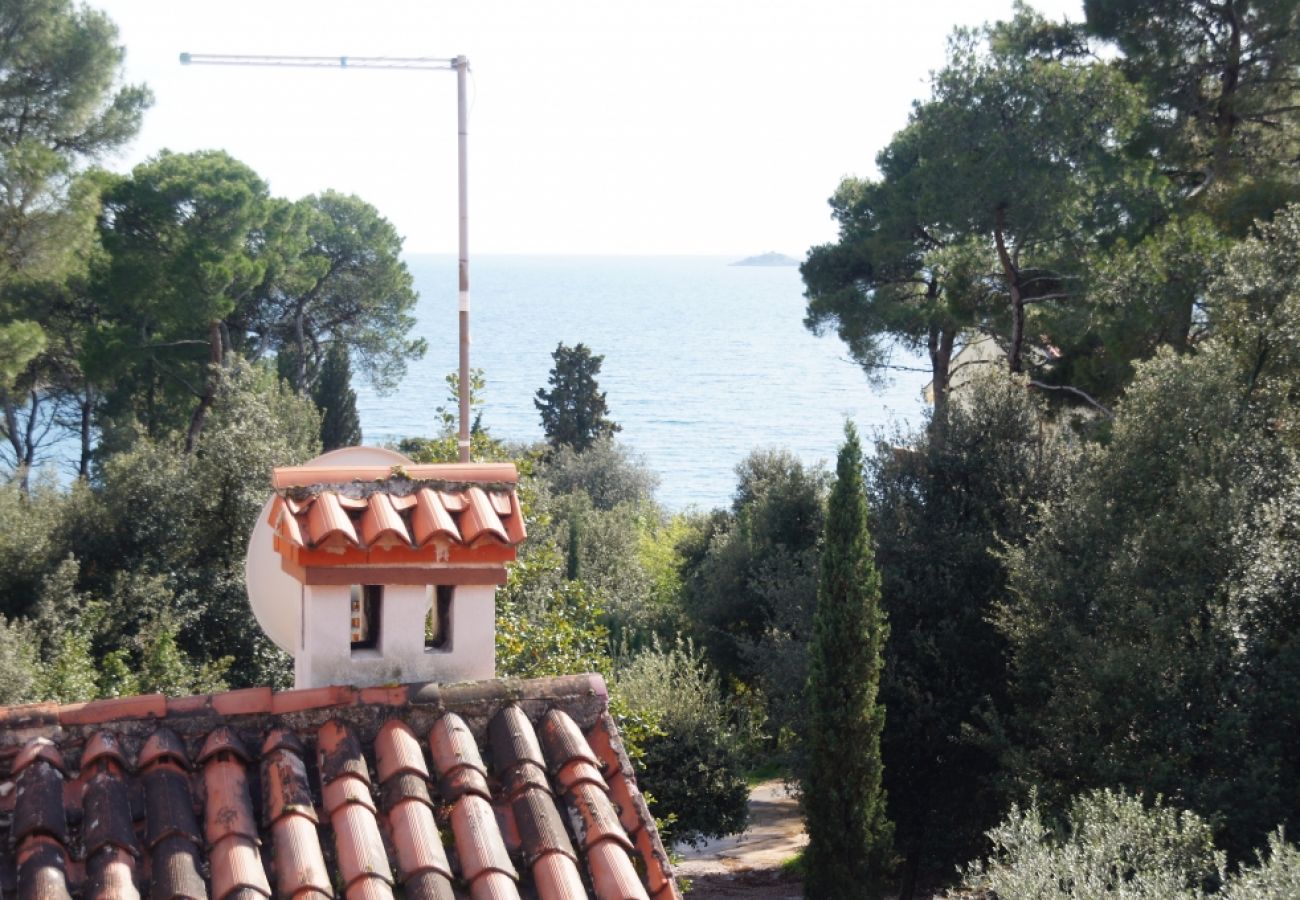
(504, 788)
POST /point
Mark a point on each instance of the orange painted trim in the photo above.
(391, 575)
(304, 476)
(490, 552)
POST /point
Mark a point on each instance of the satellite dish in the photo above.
(274, 594)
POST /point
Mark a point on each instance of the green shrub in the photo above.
(693, 757)
(1116, 846)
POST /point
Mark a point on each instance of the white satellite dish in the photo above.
(274, 594)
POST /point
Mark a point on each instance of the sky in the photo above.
(596, 126)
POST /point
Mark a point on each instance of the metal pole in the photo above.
(462, 66)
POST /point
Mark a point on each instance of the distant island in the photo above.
(768, 259)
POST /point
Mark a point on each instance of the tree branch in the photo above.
(1069, 389)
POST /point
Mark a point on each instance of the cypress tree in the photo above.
(844, 802)
(333, 395)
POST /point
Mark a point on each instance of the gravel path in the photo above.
(749, 864)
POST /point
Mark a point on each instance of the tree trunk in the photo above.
(940, 346)
(209, 390)
(86, 409)
(1225, 114)
(300, 338)
(911, 867)
(1012, 275)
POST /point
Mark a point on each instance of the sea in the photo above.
(704, 361)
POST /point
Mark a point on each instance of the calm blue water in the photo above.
(703, 361)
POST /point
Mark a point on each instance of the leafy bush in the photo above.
(607, 472)
(693, 759)
(1115, 846)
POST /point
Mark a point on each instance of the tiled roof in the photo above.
(403, 508)
(493, 789)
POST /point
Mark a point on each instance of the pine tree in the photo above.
(337, 402)
(844, 802)
(573, 410)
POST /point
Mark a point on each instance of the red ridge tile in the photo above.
(174, 870)
(329, 524)
(428, 886)
(306, 476)
(516, 530)
(625, 794)
(110, 874)
(453, 501)
(162, 745)
(541, 830)
(42, 869)
(479, 521)
(557, 878)
(593, 817)
(512, 739)
(169, 806)
(100, 712)
(430, 518)
(478, 841)
(369, 887)
(563, 741)
(397, 750)
(358, 844)
(602, 744)
(500, 502)
(656, 867)
(103, 745)
(456, 757)
(612, 873)
(344, 790)
(415, 839)
(107, 816)
(338, 752)
(247, 702)
(39, 807)
(236, 865)
(297, 860)
(578, 771)
(285, 790)
(282, 739)
(223, 740)
(227, 809)
(381, 525)
(40, 748)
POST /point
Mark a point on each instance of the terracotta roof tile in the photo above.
(110, 874)
(42, 869)
(331, 796)
(175, 871)
(107, 812)
(103, 745)
(342, 511)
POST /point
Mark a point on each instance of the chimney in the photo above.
(373, 570)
